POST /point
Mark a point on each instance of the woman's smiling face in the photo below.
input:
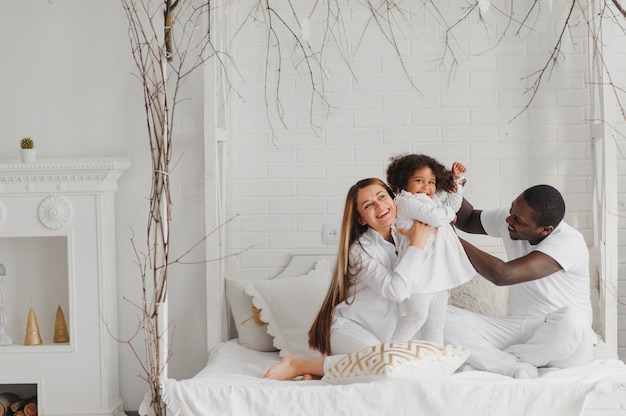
(376, 209)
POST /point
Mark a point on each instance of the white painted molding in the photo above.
(67, 175)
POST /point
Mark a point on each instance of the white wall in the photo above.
(66, 81)
(284, 190)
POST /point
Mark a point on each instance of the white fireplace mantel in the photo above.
(62, 175)
(57, 241)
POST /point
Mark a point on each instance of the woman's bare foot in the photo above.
(311, 377)
(284, 370)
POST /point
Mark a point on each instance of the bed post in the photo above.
(216, 181)
(605, 236)
(603, 110)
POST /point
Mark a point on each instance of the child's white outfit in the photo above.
(446, 265)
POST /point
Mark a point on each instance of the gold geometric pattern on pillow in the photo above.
(256, 315)
(399, 359)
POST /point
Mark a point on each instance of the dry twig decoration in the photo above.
(164, 59)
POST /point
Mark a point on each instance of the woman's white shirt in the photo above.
(383, 280)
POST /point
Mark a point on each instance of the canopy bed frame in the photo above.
(271, 317)
(232, 383)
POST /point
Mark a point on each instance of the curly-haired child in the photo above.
(429, 192)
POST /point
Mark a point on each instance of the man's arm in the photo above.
(468, 219)
(532, 266)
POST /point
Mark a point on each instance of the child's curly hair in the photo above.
(402, 167)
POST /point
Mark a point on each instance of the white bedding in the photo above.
(232, 384)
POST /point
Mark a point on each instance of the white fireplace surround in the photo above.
(57, 242)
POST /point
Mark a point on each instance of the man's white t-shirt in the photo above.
(566, 287)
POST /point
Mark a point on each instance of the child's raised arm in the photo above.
(458, 169)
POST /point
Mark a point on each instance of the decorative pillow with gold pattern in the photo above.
(419, 359)
(251, 330)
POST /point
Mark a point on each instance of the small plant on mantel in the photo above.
(28, 153)
(27, 143)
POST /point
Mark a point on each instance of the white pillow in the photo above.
(481, 296)
(251, 331)
(416, 359)
(289, 306)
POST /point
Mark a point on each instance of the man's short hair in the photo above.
(547, 204)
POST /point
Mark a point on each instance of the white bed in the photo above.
(232, 383)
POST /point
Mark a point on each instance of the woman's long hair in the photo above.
(351, 231)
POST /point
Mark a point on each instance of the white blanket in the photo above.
(232, 384)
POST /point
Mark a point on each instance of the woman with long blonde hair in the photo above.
(369, 281)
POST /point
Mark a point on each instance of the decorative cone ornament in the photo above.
(32, 329)
(60, 328)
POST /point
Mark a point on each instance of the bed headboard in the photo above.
(302, 263)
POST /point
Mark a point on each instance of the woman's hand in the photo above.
(418, 234)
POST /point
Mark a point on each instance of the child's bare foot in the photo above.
(284, 370)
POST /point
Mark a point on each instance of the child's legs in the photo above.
(416, 308)
(432, 330)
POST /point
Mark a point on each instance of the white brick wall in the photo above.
(285, 189)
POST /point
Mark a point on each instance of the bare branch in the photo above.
(549, 66)
(619, 7)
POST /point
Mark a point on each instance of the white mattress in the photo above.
(232, 384)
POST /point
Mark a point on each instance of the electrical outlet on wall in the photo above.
(330, 234)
